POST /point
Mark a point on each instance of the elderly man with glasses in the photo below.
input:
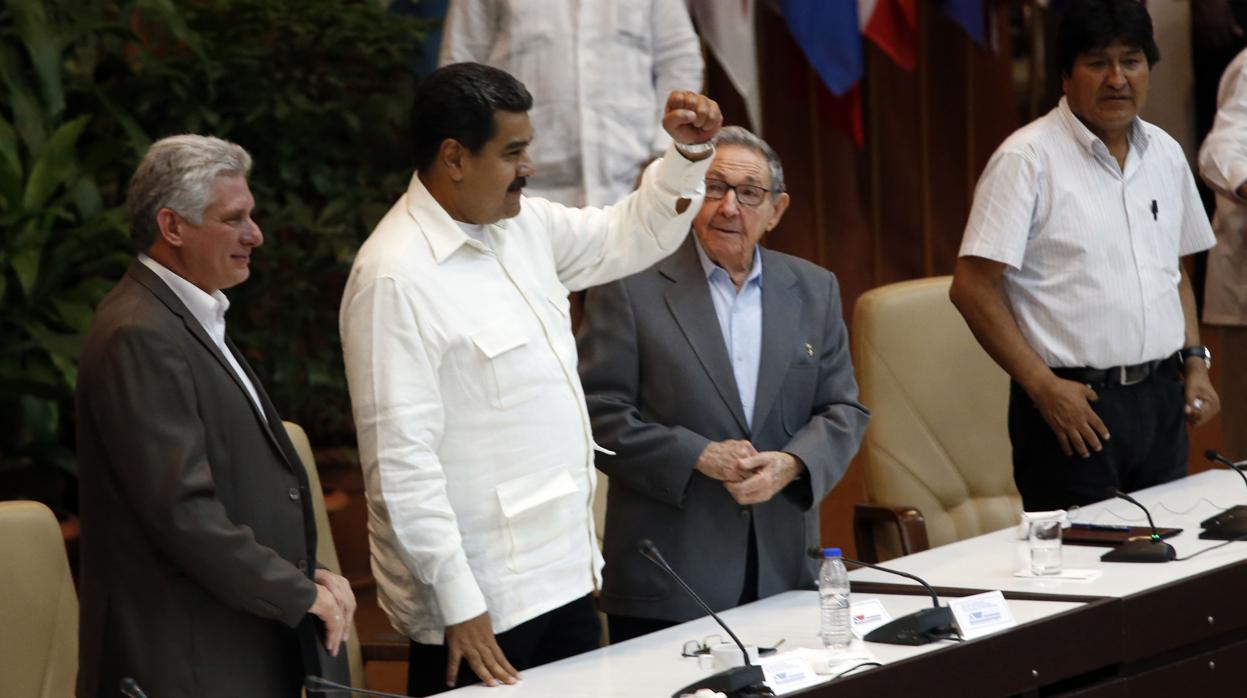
(722, 394)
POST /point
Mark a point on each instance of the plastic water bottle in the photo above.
(836, 625)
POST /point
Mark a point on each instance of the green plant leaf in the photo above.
(26, 266)
(8, 148)
(28, 116)
(44, 50)
(55, 164)
(86, 198)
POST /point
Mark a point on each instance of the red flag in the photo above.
(893, 26)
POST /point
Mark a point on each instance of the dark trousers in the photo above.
(558, 634)
(1148, 444)
(623, 628)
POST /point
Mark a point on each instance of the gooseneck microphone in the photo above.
(1151, 549)
(319, 685)
(130, 688)
(918, 628)
(741, 681)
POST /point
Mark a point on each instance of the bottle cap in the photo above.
(831, 552)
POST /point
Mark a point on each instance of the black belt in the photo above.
(1117, 375)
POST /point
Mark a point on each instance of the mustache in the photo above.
(518, 184)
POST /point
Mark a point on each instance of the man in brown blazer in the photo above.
(199, 576)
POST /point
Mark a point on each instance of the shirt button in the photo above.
(744, 513)
(294, 494)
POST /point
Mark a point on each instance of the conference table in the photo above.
(1171, 629)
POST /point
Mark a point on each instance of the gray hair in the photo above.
(177, 173)
(736, 135)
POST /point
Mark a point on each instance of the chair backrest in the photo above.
(326, 552)
(38, 605)
(938, 438)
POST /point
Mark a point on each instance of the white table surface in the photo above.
(651, 666)
(988, 561)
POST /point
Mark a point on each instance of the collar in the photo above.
(443, 232)
(1138, 136)
(710, 267)
(208, 309)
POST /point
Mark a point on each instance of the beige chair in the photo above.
(326, 552)
(38, 605)
(937, 449)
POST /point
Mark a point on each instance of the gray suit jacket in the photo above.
(659, 386)
(198, 537)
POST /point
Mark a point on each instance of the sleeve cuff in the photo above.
(459, 598)
(680, 175)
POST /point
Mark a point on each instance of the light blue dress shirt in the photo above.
(740, 320)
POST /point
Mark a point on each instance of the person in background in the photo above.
(599, 73)
(1223, 165)
(1071, 278)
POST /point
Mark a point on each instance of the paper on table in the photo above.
(1064, 575)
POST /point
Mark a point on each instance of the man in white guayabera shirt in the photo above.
(473, 432)
(1070, 275)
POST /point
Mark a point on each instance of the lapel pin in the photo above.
(809, 350)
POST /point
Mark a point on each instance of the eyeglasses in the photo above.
(693, 648)
(747, 194)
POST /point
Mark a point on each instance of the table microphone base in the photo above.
(737, 682)
(1225, 528)
(1238, 512)
(917, 628)
(1141, 551)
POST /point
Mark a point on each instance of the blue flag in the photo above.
(969, 14)
(828, 33)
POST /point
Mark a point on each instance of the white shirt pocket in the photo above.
(510, 360)
(537, 513)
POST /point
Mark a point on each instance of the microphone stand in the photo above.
(918, 628)
(317, 685)
(1152, 549)
(745, 681)
(1230, 524)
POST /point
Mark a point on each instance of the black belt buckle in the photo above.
(1144, 372)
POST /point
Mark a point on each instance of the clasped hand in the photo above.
(749, 476)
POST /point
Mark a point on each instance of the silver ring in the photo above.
(1197, 404)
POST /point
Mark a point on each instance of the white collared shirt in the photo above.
(1092, 251)
(599, 72)
(740, 321)
(474, 437)
(209, 310)
(1223, 165)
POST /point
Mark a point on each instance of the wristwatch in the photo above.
(1198, 351)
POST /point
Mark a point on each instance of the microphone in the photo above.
(1153, 549)
(917, 628)
(1231, 523)
(747, 680)
(130, 688)
(317, 684)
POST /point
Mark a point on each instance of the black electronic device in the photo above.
(1150, 549)
(746, 681)
(1230, 524)
(917, 628)
(130, 688)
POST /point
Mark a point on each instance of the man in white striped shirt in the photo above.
(1070, 276)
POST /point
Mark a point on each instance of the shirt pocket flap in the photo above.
(530, 491)
(493, 341)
